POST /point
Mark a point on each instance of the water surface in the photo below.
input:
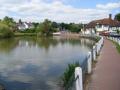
(30, 63)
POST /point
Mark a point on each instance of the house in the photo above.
(24, 25)
(102, 25)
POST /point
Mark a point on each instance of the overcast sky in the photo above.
(76, 11)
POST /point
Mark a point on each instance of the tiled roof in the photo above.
(105, 21)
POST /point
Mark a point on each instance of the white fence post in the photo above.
(89, 63)
(94, 53)
(119, 41)
(97, 46)
(78, 75)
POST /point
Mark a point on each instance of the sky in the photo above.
(68, 11)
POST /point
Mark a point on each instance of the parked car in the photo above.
(104, 33)
(113, 33)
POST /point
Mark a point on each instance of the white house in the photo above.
(102, 25)
(24, 25)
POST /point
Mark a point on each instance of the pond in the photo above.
(30, 63)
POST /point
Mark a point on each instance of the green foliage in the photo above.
(71, 27)
(117, 46)
(35, 24)
(45, 28)
(9, 22)
(33, 30)
(74, 28)
(40, 28)
(55, 25)
(24, 34)
(68, 74)
(117, 16)
(97, 39)
(5, 31)
(118, 31)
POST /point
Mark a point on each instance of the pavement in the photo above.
(106, 74)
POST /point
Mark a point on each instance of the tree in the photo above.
(63, 25)
(5, 31)
(45, 28)
(35, 24)
(117, 17)
(55, 25)
(74, 27)
(10, 22)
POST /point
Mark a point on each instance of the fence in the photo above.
(115, 39)
(86, 67)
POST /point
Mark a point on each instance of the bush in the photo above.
(5, 31)
(118, 31)
(28, 30)
(68, 76)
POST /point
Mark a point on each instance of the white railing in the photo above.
(91, 56)
(115, 39)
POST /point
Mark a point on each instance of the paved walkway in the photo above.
(106, 75)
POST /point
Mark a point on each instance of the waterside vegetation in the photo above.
(9, 28)
(68, 76)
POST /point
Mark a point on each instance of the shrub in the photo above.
(28, 31)
(68, 76)
(118, 31)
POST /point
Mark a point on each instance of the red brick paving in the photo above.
(106, 74)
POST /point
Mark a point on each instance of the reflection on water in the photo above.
(31, 63)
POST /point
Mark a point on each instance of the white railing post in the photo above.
(97, 47)
(89, 63)
(94, 53)
(119, 41)
(78, 75)
(115, 40)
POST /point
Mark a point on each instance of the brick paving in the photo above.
(106, 74)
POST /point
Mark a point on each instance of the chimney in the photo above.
(110, 16)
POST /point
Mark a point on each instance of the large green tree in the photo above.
(5, 31)
(55, 25)
(9, 22)
(45, 28)
(72, 27)
(117, 16)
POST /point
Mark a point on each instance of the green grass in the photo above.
(25, 34)
(117, 46)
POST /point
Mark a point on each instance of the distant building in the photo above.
(102, 25)
(24, 25)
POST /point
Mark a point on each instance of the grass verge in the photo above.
(25, 34)
(117, 46)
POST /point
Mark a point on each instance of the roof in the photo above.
(105, 21)
(24, 23)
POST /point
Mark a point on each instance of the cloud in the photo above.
(109, 6)
(55, 10)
